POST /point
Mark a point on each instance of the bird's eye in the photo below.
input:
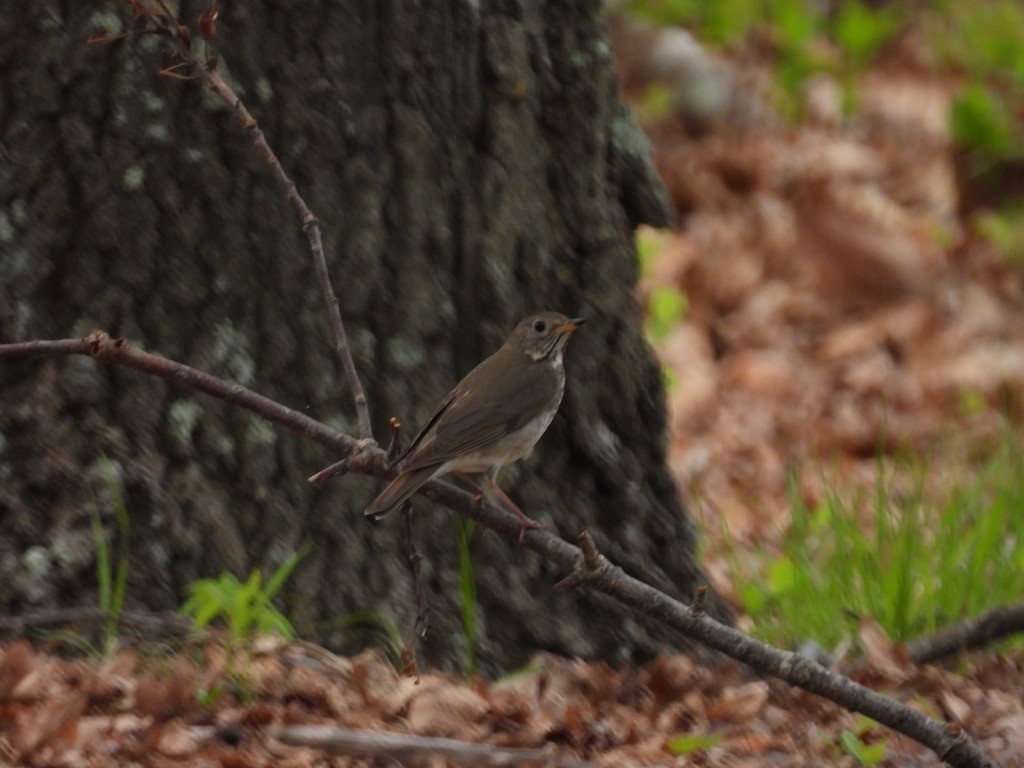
(540, 326)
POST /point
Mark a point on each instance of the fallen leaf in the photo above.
(445, 709)
(741, 703)
(882, 655)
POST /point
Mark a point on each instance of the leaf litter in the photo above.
(144, 711)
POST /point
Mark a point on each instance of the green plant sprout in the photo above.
(666, 307)
(245, 607)
(382, 629)
(649, 244)
(984, 40)
(688, 743)
(111, 585)
(667, 304)
(467, 593)
(1005, 229)
(867, 755)
(914, 560)
(981, 122)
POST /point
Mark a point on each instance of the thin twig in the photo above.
(415, 566)
(394, 448)
(164, 23)
(586, 566)
(410, 662)
(310, 225)
(336, 469)
(970, 633)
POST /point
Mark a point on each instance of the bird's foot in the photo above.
(525, 523)
(528, 524)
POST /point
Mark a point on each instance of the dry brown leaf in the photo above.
(770, 374)
(955, 708)
(16, 663)
(740, 703)
(883, 657)
(373, 678)
(410, 687)
(167, 696)
(746, 742)
(445, 709)
(115, 679)
(669, 676)
(176, 741)
(31, 687)
(92, 730)
(55, 722)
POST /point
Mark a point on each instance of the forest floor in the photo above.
(840, 299)
(185, 711)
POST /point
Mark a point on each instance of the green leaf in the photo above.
(688, 743)
(862, 31)
(782, 576)
(467, 592)
(273, 621)
(99, 539)
(665, 307)
(980, 120)
(865, 754)
(863, 724)
(284, 570)
(669, 378)
(753, 597)
(656, 104)
(796, 24)
(649, 243)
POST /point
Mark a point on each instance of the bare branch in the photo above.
(406, 748)
(311, 226)
(120, 352)
(970, 633)
(586, 566)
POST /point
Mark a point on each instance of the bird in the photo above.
(491, 418)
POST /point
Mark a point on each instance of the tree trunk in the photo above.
(469, 162)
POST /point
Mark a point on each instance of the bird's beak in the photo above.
(569, 327)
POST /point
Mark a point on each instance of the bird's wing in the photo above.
(474, 415)
(417, 441)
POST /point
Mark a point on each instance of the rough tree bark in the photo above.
(469, 161)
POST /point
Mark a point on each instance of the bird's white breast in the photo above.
(513, 446)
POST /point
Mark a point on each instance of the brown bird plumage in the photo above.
(494, 416)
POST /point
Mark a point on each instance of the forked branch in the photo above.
(585, 565)
(161, 22)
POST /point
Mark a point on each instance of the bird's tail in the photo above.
(398, 490)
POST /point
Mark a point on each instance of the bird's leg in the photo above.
(473, 485)
(527, 523)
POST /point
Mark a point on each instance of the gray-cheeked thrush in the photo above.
(493, 417)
